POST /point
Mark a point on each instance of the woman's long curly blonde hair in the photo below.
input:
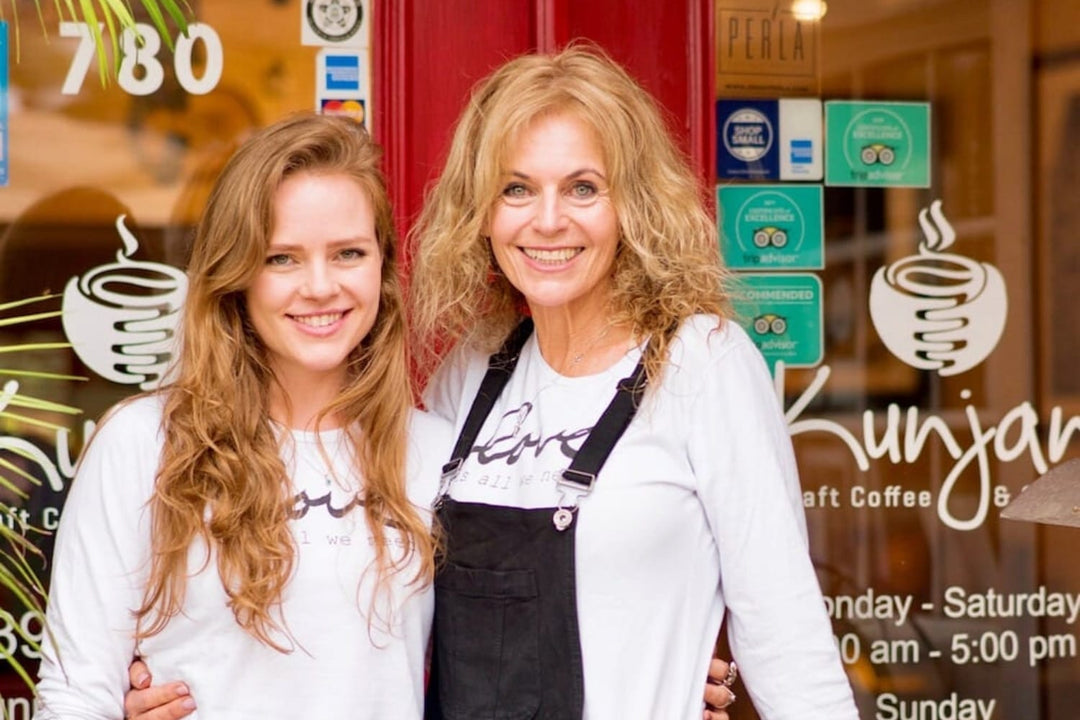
(667, 265)
(222, 478)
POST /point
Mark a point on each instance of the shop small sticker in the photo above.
(748, 134)
(768, 139)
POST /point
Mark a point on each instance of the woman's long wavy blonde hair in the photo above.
(667, 265)
(222, 478)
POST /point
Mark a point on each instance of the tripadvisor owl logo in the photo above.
(335, 20)
(939, 310)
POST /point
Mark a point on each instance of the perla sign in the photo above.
(763, 47)
(765, 40)
(943, 312)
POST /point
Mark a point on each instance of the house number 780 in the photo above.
(150, 73)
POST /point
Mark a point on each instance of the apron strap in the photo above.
(500, 367)
(608, 429)
(594, 452)
(577, 480)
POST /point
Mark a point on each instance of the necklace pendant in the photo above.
(562, 519)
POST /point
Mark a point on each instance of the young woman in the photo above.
(259, 528)
(623, 474)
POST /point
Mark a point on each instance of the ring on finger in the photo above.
(732, 674)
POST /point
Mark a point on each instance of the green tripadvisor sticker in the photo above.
(877, 143)
(782, 313)
(771, 227)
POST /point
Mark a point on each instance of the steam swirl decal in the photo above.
(939, 310)
(122, 318)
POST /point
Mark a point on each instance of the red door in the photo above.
(429, 54)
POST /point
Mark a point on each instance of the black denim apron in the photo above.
(506, 644)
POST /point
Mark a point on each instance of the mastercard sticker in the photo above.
(352, 108)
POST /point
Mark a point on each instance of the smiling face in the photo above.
(553, 230)
(317, 295)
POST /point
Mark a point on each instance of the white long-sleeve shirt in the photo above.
(697, 511)
(340, 665)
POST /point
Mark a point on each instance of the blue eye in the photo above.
(279, 260)
(352, 254)
(582, 190)
(516, 192)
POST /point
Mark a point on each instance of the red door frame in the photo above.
(427, 55)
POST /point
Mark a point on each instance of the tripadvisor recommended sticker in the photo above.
(782, 314)
(771, 227)
(884, 144)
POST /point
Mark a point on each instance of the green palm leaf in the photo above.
(21, 562)
(19, 579)
(116, 16)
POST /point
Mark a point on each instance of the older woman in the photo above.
(623, 474)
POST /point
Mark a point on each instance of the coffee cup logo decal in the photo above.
(122, 319)
(939, 310)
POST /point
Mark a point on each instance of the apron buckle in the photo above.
(578, 480)
(449, 472)
(562, 518)
(576, 483)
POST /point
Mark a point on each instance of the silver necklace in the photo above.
(527, 406)
(325, 468)
(588, 349)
